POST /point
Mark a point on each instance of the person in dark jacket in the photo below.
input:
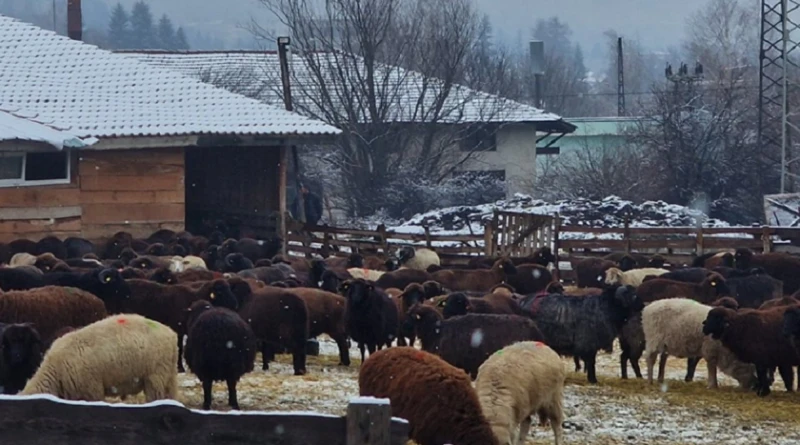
(312, 205)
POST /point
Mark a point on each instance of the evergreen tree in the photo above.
(180, 40)
(118, 28)
(166, 33)
(142, 30)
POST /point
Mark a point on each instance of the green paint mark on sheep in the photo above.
(152, 324)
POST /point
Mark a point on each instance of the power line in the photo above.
(646, 93)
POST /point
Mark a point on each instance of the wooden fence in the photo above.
(42, 419)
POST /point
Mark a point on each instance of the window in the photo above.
(34, 168)
(482, 138)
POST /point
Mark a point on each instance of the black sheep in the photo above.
(370, 315)
(467, 341)
(235, 262)
(105, 284)
(220, 346)
(268, 274)
(19, 278)
(686, 275)
(161, 236)
(781, 266)
(22, 246)
(78, 247)
(21, 352)
(579, 327)
(51, 244)
(751, 291)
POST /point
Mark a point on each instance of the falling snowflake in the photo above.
(477, 338)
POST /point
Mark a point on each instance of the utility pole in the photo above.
(537, 69)
(283, 56)
(683, 78)
(620, 80)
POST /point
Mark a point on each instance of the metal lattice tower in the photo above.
(779, 74)
(620, 80)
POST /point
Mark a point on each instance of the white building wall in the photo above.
(516, 155)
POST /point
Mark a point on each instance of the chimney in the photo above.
(74, 20)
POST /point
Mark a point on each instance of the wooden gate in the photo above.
(520, 234)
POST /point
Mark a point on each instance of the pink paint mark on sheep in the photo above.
(121, 320)
(538, 344)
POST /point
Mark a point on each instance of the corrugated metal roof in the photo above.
(94, 92)
(15, 128)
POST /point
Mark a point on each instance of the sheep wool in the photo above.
(366, 274)
(117, 356)
(633, 277)
(518, 381)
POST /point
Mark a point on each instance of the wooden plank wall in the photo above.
(138, 191)
(36, 212)
(240, 182)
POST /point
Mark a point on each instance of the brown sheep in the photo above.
(166, 303)
(778, 302)
(435, 397)
(712, 288)
(51, 309)
(591, 272)
(326, 316)
(781, 266)
(459, 304)
(476, 280)
(401, 278)
(417, 293)
(278, 317)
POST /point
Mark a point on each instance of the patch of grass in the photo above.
(779, 406)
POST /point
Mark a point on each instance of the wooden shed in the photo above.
(130, 146)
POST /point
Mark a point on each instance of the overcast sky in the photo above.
(657, 23)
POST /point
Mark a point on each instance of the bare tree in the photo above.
(388, 73)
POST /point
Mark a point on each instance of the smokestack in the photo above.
(74, 20)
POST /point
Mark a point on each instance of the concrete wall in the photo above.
(516, 155)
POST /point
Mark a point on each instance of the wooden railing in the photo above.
(44, 419)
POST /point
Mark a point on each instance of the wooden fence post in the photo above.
(488, 239)
(369, 421)
(766, 239)
(698, 244)
(384, 239)
(427, 236)
(626, 234)
(556, 234)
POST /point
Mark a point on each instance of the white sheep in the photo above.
(180, 264)
(22, 259)
(675, 327)
(419, 259)
(366, 274)
(633, 277)
(518, 381)
(119, 355)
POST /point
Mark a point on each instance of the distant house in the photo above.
(507, 131)
(93, 142)
(591, 133)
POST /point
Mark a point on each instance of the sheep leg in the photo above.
(691, 366)
(401, 341)
(411, 340)
(207, 385)
(577, 361)
(763, 381)
(589, 362)
(635, 366)
(180, 354)
(233, 401)
(344, 351)
(651, 363)
(362, 348)
(787, 374)
(623, 364)
(711, 368)
(662, 367)
(266, 355)
(524, 429)
(299, 358)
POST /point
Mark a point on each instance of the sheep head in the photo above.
(717, 320)
(355, 260)
(627, 263)
(109, 285)
(127, 255)
(221, 295)
(544, 256)
(236, 262)
(426, 322)
(156, 249)
(392, 264)
(357, 291)
(657, 261)
(505, 266)
(239, 288)
(22, 344)
(192, 312)
(413, 294)
(142, 263)
(791, 323)
(405, 254)
(742, 258)
(555, 287)
(46, 262)
(456, 304)
(432, 289)
(715, 286)
(727, 302)
(164, 276)
(329, 281)
(613, 276)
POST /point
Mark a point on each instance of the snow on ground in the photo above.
(613, 412)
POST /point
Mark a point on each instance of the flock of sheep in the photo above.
(85, 322)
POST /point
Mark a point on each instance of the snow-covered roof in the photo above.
(92, 92)
(18, 128)
(257, 74)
